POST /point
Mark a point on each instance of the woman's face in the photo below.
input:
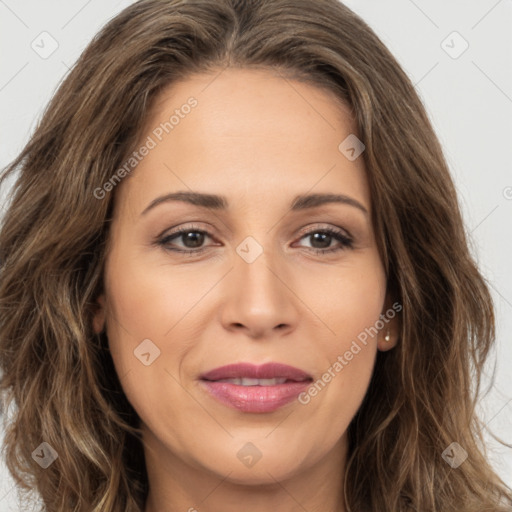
(265, 284)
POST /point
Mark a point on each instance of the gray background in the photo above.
(468, 98)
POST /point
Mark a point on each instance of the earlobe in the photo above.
(98, 321)
(388, 336)
(387, 339)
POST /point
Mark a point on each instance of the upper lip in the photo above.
(248, 370)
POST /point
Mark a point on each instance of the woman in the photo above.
(155, 371)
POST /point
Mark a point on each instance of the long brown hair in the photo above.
(53, 241)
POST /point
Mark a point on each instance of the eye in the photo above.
(193, 239)
(323, 237)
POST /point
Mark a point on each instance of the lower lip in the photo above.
(255, 398)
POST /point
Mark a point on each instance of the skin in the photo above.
(260, 140)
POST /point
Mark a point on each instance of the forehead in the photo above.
(252, 133)
(255, 103)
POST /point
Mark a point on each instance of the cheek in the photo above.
(144, 305)
(351, 302)
(350, 305)
(348, 359)
(138, 309)
(143, 297)
(156, 303)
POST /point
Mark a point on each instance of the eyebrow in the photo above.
(215, 202)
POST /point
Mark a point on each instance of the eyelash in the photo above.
(345, 241)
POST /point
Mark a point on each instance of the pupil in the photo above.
(195, 237)
(323, 238)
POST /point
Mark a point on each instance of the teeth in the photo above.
(255, 382)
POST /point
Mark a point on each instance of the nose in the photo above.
(259, 298)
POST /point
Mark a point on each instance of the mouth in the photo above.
(262, 372)
(246, 381)
(255, 389)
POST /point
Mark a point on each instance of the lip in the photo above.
(255, 399)
(252, 371)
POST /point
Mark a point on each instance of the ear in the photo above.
(391, 317)
(98, 321)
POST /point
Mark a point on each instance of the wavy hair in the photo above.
(59, 376)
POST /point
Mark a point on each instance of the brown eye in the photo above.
(191, 238)
(321, 240)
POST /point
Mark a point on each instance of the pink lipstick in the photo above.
(255, 389)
